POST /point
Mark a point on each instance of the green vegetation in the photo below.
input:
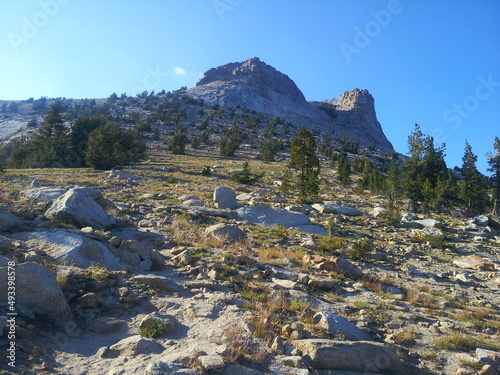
(303, 157)
(231, 141)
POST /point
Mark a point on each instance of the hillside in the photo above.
(251, 85)
(223, 294)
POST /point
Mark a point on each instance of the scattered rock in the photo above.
(277, 346)
(359, 356)
(157, 282)
(475, 262)
(211, 362)
(161, 368)
(330, 209)
(269, 216)
(338, 325)
(183, 259)
(482, 220)
(428, 223)
(225, 197)
(342, 266)
(122, 176)
(227, 232)
(135, 345)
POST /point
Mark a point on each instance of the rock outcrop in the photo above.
(355, 119)
(262, 88)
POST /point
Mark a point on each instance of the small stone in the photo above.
(89, 301)
(183, 259)
(292, 361)
(277, 345)
(211, 362)
(115, 241)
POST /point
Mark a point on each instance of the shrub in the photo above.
(155, 329)
(360, 248)
(110, 145)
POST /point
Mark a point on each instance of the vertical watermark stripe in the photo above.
(11, 313)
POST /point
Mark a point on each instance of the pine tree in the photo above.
(230, 141)
(394, 180)
(303, 157)
(494, 163)
(343, 169)
(473, 189)
(178, 142)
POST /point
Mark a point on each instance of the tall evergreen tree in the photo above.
(426, 178)
(230, 141)
(343, 169)
(303, 157)
(179, 140)
(473, 189)
(494, 163)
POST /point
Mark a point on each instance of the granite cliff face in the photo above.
(258, 86)
(356, 117)
(262, 88)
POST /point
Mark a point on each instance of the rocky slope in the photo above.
(169, 273)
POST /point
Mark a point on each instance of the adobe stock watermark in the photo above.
(151, 80)
(459, 112)
(31, 26)
(363, 36)
(224, 6)
(11, 313)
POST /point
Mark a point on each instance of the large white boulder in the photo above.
(37, 292)
(78, 206)
(225, 197)
(71, 248)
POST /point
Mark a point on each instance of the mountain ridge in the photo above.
(260, 87)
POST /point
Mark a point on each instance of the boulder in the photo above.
(158, 282)
(122, 176)
(377, 211)
(428, 223)
(43, 194)
(135, 345)
(161, 368)
(227, 232)
(78, 206)
(225, 197)
(211, 361)
(342, 266)
(331, 209)
(269, 216)
(338, 325)
(37, 292)
(71, 248)
(361, 356)
(9, 221)
(475, 262)
(168, 322)
(482, 220)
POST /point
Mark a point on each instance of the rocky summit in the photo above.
(262, 88)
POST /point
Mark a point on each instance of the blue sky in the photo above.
(435, 63)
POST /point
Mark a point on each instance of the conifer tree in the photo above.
(343, 169)
(473, 189)
(303, 157)
(178, 142)
(494, 163)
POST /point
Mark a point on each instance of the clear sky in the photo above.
(435, 63)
